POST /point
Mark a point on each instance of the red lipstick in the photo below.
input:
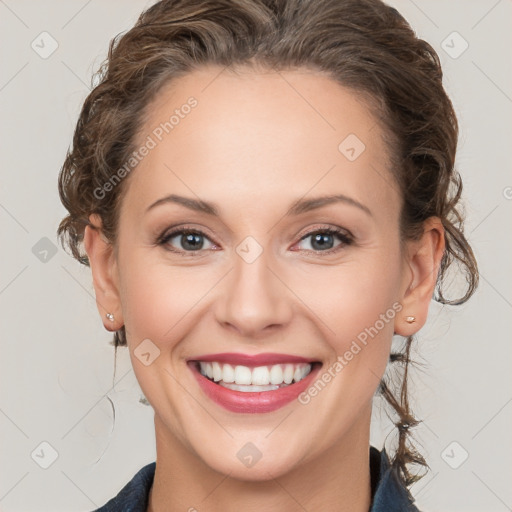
(252, 402)
(264, 359)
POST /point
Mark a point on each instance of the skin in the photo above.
(256, 142)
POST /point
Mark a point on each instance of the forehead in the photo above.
(235, 136)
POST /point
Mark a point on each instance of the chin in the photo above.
(265, 469)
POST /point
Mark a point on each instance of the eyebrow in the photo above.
(298, 207)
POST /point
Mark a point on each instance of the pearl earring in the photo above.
(110, 316)
(410, 319)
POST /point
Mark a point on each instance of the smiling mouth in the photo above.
(254, 379)
(253, 383)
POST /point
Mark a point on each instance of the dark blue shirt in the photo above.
(389, 494)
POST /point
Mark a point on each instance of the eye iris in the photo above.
(320, 240)
(192, 241)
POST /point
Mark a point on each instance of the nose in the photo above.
(254, 300)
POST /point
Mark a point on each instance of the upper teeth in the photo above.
(260, 375)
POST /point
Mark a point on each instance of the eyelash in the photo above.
(343, 236)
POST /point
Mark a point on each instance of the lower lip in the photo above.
(252, 402)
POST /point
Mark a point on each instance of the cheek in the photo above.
(360, 317)
(360, 311)
(365, 306)
(358, 296)
(158, 300)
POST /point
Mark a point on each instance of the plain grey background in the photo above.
(56, 364)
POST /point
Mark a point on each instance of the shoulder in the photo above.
(388, 490)
(133, 497)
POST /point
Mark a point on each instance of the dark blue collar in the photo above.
(388, 491)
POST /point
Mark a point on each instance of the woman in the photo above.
(265, 193)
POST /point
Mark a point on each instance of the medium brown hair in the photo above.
(364, 45)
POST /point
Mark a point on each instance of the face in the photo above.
(265, 275)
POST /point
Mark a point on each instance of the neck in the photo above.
(338, 479)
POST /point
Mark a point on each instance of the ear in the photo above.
(104, 273)
(421, 267)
